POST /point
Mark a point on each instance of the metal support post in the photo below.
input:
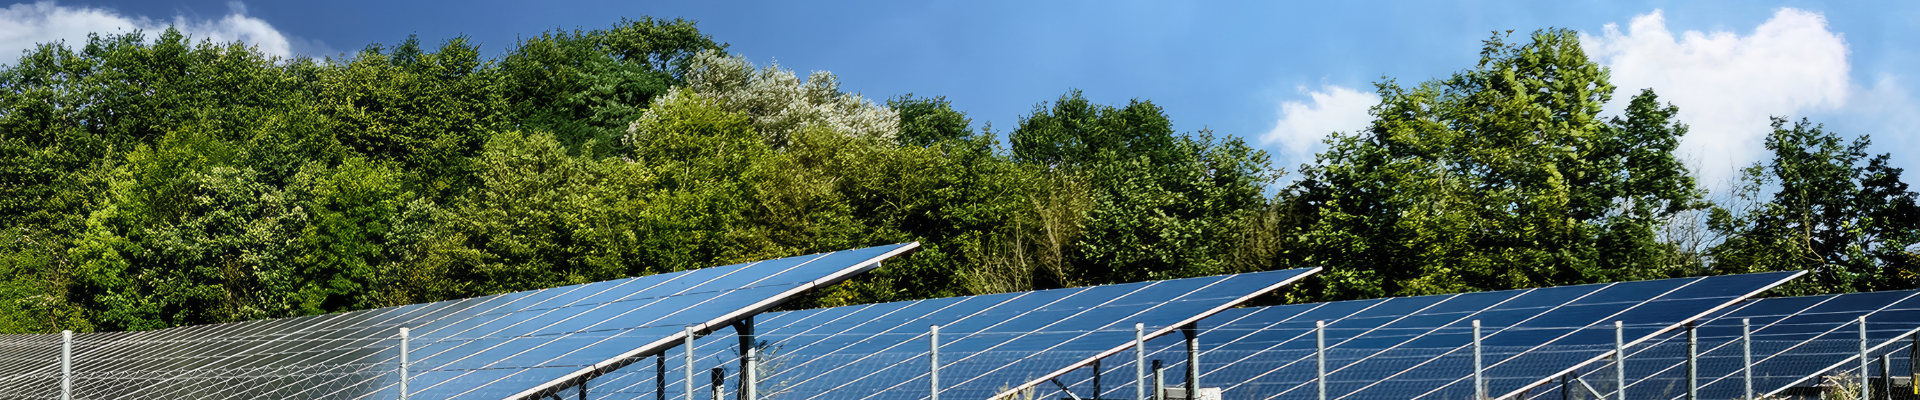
(1866, 390)
(1159, 381)
(1693, 363)
(1192, 332)
(719, 382)
(933, 362)
(748, 358)
(1746, 355)
(583, 388)
(66, 365)
(1886, 378)
(1619, 360)
(403, 363)
(660, 376)
(688, 346)
(1320, 356)
(1566, 388)
(1913, 363)
(1139, 360)
(1479, 382)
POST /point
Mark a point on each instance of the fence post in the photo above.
(748, 358)
(1192, 331)
(1619, 360)
(403, 363)
(1886, 378)
(1913, 362)
(933, 362)
(1866, 390)
(1159, 381)
(1693, 362)
(1479, 382)
(1746, 355)
(719, 378)
(1139, 360)
(1320, 356)
(66, 365)
(688, 344)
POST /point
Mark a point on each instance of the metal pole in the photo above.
(933, 362)
(1620, 360)
(1746, 355)
(1193, 360)
(1913, 363)
(1886, 378)
(66, 366)
(688, 344)
(1139, 360)
(748, 358)
(1320, 356)
(719, 381)
(1866, 391)
(1479, 382)
(403, 363)
(660, 376)
(1693, 363)
(1159, 381)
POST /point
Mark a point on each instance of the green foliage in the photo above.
(1499, 177)
(1835, 211)
(1163, 203)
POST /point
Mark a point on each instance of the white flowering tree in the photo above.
(780, 104)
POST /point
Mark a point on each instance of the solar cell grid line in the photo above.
(1255, 284)
(1708, 294)
(231, 360)
(342, 354)
(213, 345)
(1385, 317)
(1788, 339)
(139, 360)
(1772, 320)
(1495, 299)
(751, 291)
(900, 333)
(1483, 315)
(1149, 289)
(812, 321)
(514, 320)
(436, 337)
(510, 357)
(1242, 337)
(890, 337)
(833, 268)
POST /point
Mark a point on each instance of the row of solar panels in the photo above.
(622, 340)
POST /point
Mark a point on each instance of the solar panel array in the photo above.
(482, 348)
(1796, 339)
(989, 344)
(1420, 347)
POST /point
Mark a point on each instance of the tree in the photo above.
(1499, 177)
(1835, 211)
(1162, 203)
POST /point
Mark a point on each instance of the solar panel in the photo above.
(489, 347)
(990, 344)
(1420, 347)
(1796, 339)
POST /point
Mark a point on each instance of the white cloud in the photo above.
(1726, 84)
(24, 26)
(1302, 126)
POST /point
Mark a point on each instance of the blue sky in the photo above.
(1281, 75)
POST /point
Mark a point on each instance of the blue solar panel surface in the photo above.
(989, 344)
(1795, 338)
(482, 348)
(1420, 347)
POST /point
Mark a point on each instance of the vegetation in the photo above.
(156, 182)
